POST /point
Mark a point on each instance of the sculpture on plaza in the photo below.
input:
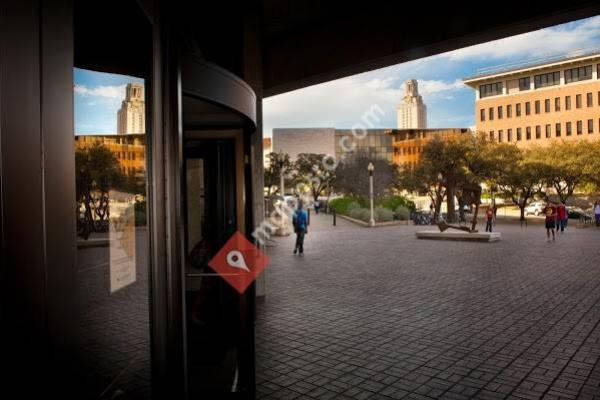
(471, 195)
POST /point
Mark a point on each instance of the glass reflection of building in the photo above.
(408, 144)
(375, 142)
(129, 150)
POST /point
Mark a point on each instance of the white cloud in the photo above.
(112, 92)
(555, 40)
(343, 102)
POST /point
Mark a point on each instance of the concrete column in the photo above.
(253, 76)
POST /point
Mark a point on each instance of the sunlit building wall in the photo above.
(540, 102)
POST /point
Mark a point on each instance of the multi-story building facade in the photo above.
(540, 102)
(412, 112)
(408, 144)
(333, 142)
(130, 150)
(294, 141)
(375, 142)
(131, 115)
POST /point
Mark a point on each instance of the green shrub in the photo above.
(352, 207)
(383, 214)
(393, 202)
(360, 213)
(402, 213)
(341, 204)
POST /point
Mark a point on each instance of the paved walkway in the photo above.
(377, 314)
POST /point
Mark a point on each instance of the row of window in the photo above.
(541, 80)
(408, 150)
(126, 155)
(546, 131)
(589, 102)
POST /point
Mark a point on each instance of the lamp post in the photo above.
(371, 168)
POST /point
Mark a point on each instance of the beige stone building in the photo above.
(131, 115)
(412, 112)
(540, 102)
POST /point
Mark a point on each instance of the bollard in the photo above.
(308, 219)
(334, 215)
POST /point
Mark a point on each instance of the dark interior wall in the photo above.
(38, 241)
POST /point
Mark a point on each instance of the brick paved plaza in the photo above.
(378, 314)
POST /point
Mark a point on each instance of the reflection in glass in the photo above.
(110, 157)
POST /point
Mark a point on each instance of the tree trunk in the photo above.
(522, 208)
(451, 216)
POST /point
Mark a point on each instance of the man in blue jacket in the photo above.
(299, 221)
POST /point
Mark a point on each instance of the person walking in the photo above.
(550, 213)
(561, 217)
(597, 212)
(490, 218)
(317, 206)
(299, 221)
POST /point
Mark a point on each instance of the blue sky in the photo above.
(98, 97)
(450, 103)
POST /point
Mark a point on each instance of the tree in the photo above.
(352, 176)
(273, 173)
(567, 165)
(520, 178)
(97, 172)
(311, 169)
(423, 179)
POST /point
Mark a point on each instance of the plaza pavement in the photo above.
(377, 314)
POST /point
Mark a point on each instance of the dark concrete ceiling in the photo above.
(306, 42)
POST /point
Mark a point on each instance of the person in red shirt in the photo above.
(489, 215)
(561, 219)
(551, 214)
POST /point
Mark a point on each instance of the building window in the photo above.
(519, 135)
(491, 136)
(590, 126)
(527, 108)
(491, 112)
(579, 127)
(537, 106)
(491, 89)
(548, 131)
(557, 104)
(482, 114)
(538, 132)
(547, 105)
(509, 135)
(528, 133)
(500, 113)
(549, 79)
(578, 74)
(557, 127)
(569, 129)
(524, 83)
(567, 102)
(509, 111)
(590, 100)
(578, 101)
(500, 134)
(518, 109)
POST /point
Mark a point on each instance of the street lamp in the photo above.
(371, 168)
